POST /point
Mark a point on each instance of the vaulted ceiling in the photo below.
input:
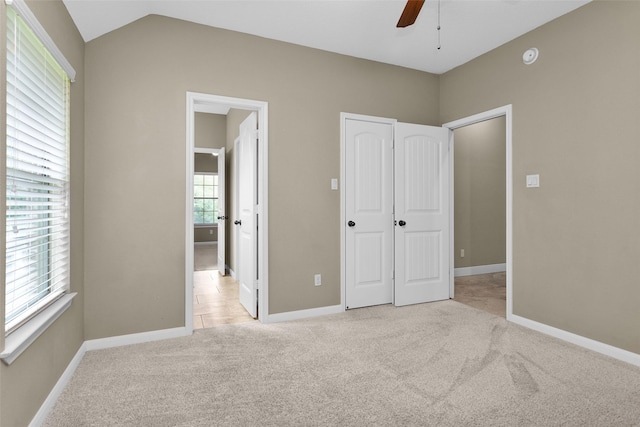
(361, 28)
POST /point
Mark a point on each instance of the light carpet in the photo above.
(441, 363)
(205, 257)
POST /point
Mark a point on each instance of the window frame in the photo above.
(215, 211)
(38, 317)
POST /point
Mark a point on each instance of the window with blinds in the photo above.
(37, 181)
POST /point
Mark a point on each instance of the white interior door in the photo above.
(222, 212)
(368, 213)
(246, 210)
(421, 214)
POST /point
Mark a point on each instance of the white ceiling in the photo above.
(361, 28)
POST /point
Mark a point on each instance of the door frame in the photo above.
(507, 112)
(207, 103)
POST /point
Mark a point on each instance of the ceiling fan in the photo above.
(410, 13)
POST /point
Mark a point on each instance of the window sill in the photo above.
(22, 338)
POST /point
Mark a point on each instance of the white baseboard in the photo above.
(57, 390)
(479, 269)
(233, 274)
(110, 342)
(303, 314)
(588, 343)
(99, 344)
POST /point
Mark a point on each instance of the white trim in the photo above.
(99, 344)
(303, 314)
(507, 112)
(343, 195)
(139, 338)
(201, 102)
(189, 239)
(212, 151)
(57, 390)
(480, 269)
(588, 343)
(213, 242)
(21, 8)
(19, 340)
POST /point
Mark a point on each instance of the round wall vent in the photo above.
(530, 56)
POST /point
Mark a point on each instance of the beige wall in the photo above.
(575, 122)
(210, 130)
(480, 194)
(27, 382)
(203, 234)
(306, 90)
(204, 162)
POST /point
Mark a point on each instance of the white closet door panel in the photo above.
(369, 213)
(421, 213)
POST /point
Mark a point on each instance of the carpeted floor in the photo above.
(486, 292)
(205, 257)
(441, 363)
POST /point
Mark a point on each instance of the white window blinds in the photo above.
(37, 199)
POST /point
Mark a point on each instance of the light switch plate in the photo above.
(533, 181)
(334, 183)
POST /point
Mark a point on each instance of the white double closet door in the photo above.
(396, 213)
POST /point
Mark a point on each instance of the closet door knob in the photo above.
(402, 223)
(351, 224)
(237, 222)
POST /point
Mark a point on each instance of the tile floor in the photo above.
(215, 300)
(215, 297)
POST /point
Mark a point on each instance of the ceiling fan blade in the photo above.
(410, 13)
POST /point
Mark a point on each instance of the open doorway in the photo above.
(480, 215)
(212, 293)
(481, 218)
(215, 293)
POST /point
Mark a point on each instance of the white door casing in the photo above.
(246, 211)
(368, 213)
(507, 112)
(421, 194)
(222, 212)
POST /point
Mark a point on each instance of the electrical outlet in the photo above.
(211, 231)
(317, 279)
(461, 253)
